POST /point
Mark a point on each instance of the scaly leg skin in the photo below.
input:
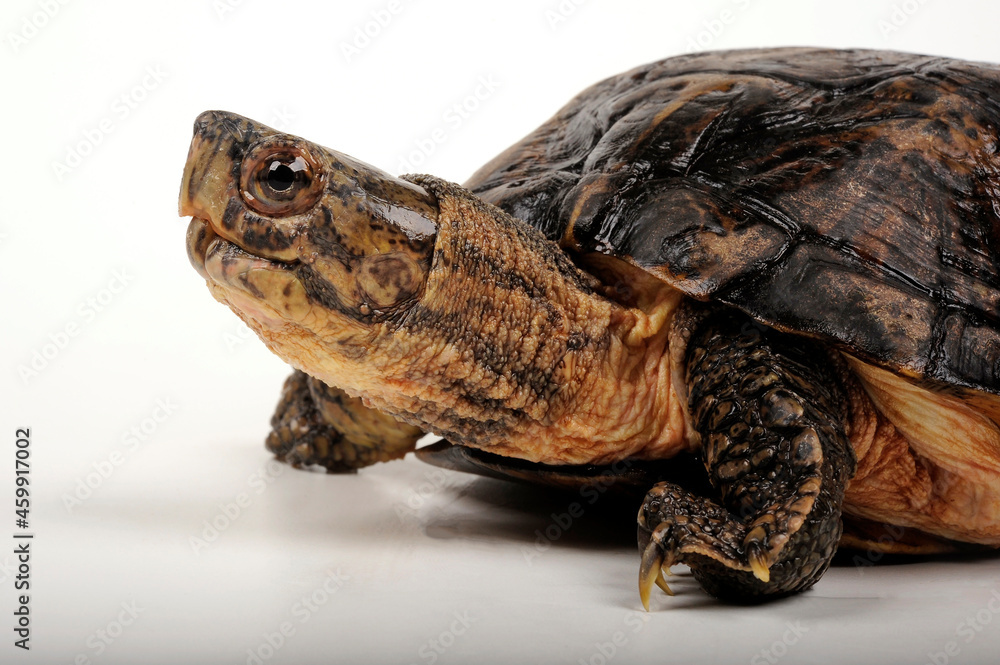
(771, 411)
(317, 424)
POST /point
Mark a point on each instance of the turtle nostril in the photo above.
(204, 122)
(209, 124)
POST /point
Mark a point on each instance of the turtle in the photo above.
(762, 285)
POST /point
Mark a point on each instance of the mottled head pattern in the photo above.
(429, 304)
(357, 240)
(311, 248)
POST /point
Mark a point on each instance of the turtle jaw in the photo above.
(266, 293)
(199, 236)
(276, 300)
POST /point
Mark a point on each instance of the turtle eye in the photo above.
(281, 176)
(280, 180)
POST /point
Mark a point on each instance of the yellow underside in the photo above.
(925, 460)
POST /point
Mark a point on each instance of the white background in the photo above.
(90, 181)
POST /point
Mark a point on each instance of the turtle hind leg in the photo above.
(771, 413)
(317, 424)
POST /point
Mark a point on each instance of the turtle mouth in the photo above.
(223, 261)
(266, 291)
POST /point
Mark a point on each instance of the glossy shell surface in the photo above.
(852, 196)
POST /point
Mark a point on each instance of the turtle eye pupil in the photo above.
(285, 174)
(280, 180)
(280, 177)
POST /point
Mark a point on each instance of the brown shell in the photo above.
(853, 196)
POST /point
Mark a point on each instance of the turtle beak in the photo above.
(198, 165)
(220, 140)
(207, 185)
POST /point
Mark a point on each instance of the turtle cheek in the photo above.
(338, 276)
(276, 238)
(388, 280)
(366, 285)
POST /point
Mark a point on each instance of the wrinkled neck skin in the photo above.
(513, 349)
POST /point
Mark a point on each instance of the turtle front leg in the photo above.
(317, 424)
(771, 411)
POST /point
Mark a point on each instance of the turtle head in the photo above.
(311, 248)
(429, 303)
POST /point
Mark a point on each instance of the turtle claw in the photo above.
(662, 583)
(758, 564)
(651, 572)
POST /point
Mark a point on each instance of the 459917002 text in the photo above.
(22, 538)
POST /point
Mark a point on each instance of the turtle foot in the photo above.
(730, 557)
(770, 410)
(315, 424)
